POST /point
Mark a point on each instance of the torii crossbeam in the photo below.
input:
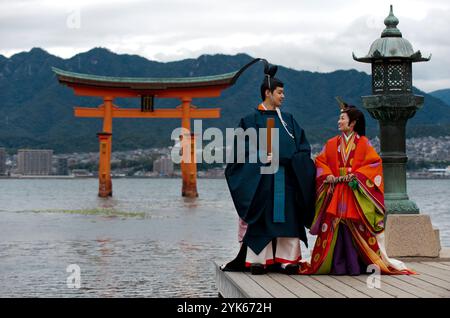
(109, 88)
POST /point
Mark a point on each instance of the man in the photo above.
(273, 208)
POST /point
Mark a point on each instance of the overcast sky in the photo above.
(314, 35)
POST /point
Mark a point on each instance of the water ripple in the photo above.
(146, 241)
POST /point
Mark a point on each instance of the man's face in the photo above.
(278, 96)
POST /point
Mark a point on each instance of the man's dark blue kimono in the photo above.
(254, 193)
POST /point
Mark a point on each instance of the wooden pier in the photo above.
(433, 281)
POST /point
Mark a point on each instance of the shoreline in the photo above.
(167, 177)
(94, 177)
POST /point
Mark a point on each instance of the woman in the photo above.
(349, 217)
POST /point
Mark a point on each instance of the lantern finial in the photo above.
(391, 23)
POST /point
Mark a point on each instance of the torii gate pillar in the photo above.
(105, 141)
(188, 163)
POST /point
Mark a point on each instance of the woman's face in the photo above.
(344, 125)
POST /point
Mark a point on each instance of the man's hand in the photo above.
(269, 157)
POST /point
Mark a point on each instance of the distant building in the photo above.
(62, 168)
(34, 162)
(81, 173)
(163, 166)
(2, 161)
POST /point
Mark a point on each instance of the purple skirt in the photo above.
(346, 259)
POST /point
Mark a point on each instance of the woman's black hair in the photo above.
(354, 114)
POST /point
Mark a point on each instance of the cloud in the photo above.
(309, 35)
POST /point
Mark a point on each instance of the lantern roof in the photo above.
(391, 45)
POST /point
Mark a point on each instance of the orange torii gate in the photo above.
(147, 89)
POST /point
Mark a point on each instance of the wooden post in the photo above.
(105, 139)
(270, 124)
(188, 169)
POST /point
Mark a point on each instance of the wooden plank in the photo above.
(294, 286)
(337, 285)
(271, 286)
(238, 285)
(406, 286)
(318, 287)
(432, 271)
(391, 290)
(249, 288)
(433, 280)
(438, 265)
(226, 287)
(362, 287)
(435, 269)
(412, 279)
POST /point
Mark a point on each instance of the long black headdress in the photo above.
(269, 80)
(269, 70)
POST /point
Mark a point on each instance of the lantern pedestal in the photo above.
(392, 112)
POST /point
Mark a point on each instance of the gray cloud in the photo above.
(308, 35)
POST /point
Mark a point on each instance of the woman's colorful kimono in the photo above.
(349, 216)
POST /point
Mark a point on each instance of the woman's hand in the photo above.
(330, 179)
(349, 177)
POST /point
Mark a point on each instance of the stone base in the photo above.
(411, 235)
(444, 256)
